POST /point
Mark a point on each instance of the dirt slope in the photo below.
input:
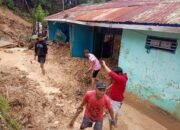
(13, 29)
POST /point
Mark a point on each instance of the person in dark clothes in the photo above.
(41, 52)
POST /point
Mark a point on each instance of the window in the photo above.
(161, 43)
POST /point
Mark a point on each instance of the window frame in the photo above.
(162, 43)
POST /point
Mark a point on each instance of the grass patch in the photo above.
(10, 123)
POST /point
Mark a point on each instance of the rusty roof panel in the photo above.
(135, 11)
(156, 14)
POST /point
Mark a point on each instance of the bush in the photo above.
(12, 124)
(4, 105)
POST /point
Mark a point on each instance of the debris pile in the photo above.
(30, 105)
(26, 101)
(77, 67)
(14, 31)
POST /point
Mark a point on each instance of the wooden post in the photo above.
(63, 5)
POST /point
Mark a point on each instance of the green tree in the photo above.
(40, 14)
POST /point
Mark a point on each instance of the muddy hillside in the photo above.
(14, 31)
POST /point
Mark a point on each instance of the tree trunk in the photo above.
(28, 7)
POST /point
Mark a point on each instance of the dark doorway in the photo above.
(107, 42)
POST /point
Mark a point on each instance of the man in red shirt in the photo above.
(95, 102)
(117, 88)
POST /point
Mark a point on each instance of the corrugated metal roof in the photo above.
(126, 11)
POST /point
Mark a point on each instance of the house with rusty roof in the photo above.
(144, 36)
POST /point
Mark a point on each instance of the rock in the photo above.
(5, 43)
(44, 104)
(56, 123)
(64, 96)
(60, 104)
(30, 126)
(60, 91)
(59, 95)
(8, 51)
(78, 93)
(52, 93)
(25, 121)
(69, 102)
(23, 76)
(51, 114)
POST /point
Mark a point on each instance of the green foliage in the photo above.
(9, 3)
(12, 124)
(40, 14)
(54, 6)
(51, 6)
(4, 105)
(1, 1)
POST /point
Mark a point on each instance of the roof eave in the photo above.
(122, 26)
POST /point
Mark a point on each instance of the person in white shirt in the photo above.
(95, 66)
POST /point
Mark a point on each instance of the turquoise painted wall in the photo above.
(153, 76)
(81, 38)
(54, 27)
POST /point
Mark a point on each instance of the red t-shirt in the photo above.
(118, 86)
(95, 107)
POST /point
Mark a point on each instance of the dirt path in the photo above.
(58, 100)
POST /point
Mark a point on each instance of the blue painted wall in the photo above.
(81, 38)
(154, 76)
(70, 33)
(53, 27)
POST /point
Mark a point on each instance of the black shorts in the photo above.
(41, 59)
(95, 73)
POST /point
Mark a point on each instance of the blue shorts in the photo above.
(88, 122)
